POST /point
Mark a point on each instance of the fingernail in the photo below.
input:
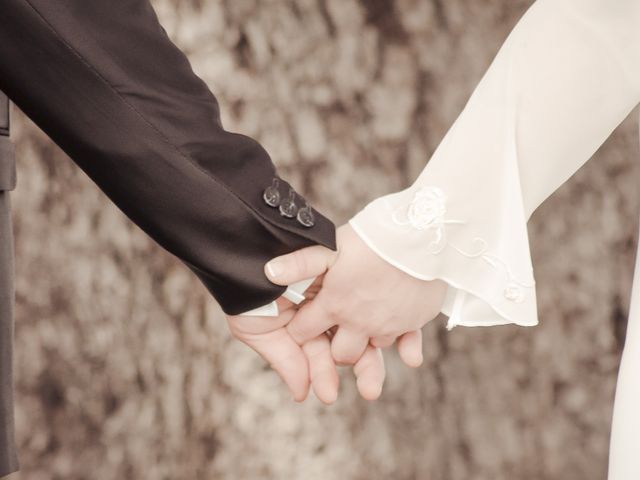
(275, 268)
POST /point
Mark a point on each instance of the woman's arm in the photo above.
(568, 74)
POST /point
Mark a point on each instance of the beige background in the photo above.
(125, 369)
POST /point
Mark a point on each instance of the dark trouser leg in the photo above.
(8, 457)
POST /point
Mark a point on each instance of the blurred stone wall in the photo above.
(124, 366)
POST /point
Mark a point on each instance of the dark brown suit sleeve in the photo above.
(8, 455)
(104, 81)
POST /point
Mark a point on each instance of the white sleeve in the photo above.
(566, 76)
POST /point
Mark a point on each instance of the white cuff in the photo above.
(484, 289)
(294, 293)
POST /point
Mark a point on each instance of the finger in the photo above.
(310, 321)
(283, 304)
(245, 326)
(410, 348)
(299, 265)
(312, 291)
(383, 341)
(370, 373)
(286, 357)
(347, 346)
(322, 369)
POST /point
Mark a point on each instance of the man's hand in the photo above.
(270, 339)
(312, 364)
(372, 302)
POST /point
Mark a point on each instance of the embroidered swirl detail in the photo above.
(427, 212)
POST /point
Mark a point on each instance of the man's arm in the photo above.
(104, 81)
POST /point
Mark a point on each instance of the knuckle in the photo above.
(387, 330)
(334, 309)
(348, 358)
(296, 331)
(300, 262)
(317, 354)
(382, 341)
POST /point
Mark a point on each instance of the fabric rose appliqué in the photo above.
(427, 208)
(427, 212)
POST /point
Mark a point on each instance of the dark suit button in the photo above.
(288, 207)
(271, 195)
(306, 217)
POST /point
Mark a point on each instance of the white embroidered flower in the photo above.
(427, 210)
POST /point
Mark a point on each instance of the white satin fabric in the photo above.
(565, 78)
(624, 454)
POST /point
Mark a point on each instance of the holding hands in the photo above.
(357, 305)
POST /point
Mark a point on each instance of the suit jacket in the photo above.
(105, 82)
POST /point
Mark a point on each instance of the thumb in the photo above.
(299, 265)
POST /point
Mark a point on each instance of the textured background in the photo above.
(125, 369)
